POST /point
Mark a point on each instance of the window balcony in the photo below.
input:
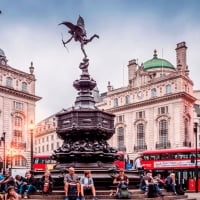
(187, 144)
(18, 145)
(140, 148)
(164, 145)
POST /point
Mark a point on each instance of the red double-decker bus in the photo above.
(121, 162)
(180, 161)
(43, 162)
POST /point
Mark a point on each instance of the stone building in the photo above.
(46, 138)
(17, 110)
(156, 109)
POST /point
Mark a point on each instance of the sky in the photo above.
(128, 29)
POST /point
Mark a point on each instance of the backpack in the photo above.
(123, 192)
(152, 191)
(179, 190)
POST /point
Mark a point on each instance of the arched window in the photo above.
(163, 133)
(17, 135)
(120, 139)
(153, 92)
(9, 82)
(115, 102)
(168, 89)
(140, 136)
(24, 86)
(127, 99)
(19, 161)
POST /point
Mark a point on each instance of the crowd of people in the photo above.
(22, 186)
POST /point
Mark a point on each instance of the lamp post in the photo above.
(11, 152)
(31, 127)
(3, 139)
(196, 154)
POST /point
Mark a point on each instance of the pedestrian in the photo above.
(71, 182)
(46, 182)
(138, 164)
(7, 181)
(87, 184)
(11, 194)
(28, 186)
(148, 182)
(19, 181)
(170, 184)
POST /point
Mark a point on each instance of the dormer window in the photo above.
(115, 102)
(153, 92)
(9, 82)
(24, 86)
(168, 89)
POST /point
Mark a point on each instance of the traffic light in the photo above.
(192, 159)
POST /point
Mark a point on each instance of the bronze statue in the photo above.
(78, 32)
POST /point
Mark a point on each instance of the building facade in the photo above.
(17, 110)
(156, 109)
(46, 138)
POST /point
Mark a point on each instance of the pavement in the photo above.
(193, 195)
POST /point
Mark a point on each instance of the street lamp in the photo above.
(3, 139)
(11, 152)
(196, 154)
(31, 127)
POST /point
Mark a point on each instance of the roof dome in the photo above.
(2, 54)
(156, 62)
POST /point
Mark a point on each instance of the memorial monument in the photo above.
(84, 128)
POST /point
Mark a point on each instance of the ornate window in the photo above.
(163, 133)
(153, 92)
(20, 161)
(120, 135)
(168, 89)
(140, 115)
(115, 102)
(18, 106)
(127, 99)
(140, 136)
(17, 134)
(24, 86)
(9, 82)
(163, 110)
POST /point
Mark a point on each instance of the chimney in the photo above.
(132, 68)
(181, 57)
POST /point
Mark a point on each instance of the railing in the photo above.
(140, 147)
(18, 145)
(164, 145)
(187, 144)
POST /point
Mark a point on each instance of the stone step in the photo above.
(106, 195)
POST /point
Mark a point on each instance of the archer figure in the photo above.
(78, 32)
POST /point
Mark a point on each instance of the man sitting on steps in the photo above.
(71, 180)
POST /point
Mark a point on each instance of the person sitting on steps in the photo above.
(71, 180)
(87, 184)
(46, 182)
(170, 184)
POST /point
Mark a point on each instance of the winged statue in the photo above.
(78, 32)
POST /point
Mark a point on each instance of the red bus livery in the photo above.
(43, 162)
(170, 159)
(121, 162)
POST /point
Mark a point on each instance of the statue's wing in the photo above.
(80, 22)
(71, 26)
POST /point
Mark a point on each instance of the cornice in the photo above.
(149, 84)
(17, 72)
(17, 93)
(151, 101)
